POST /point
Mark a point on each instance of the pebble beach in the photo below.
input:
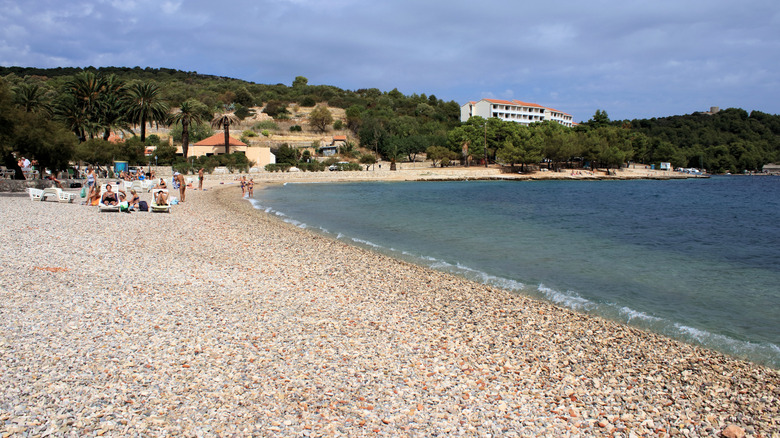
(220, 320)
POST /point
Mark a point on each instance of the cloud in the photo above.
(632, 59)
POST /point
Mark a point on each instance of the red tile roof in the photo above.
(555, 110)
(339, 138)
(219, 140)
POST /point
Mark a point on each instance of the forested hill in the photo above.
(728, 140)
(394, 125)
(214, 91)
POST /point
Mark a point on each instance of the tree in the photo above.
(37, 137)
(440, 153)
(276, 109)
(300, 82)
(244, 97)
(8, 118)
(111, 112)
(599, 119)
(224, 120)
(320, 118)
(286, 155)
(144, 104)
(190, 112)
(354, 118)
(368, 160)
(31, 98)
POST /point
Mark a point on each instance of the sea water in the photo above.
(697, 260)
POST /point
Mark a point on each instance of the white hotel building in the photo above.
(513, 111)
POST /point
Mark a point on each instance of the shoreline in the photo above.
(219, 319)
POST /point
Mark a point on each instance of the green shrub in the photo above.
(296, 128)
(153, 140)
(266, 133)
(249, 133)
(283, 167)
(266, 124)
(308, 101)
(314, 166)
(338, 124)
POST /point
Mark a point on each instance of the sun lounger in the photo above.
(58, 194)
(159, 208)
(103, 207)
(35, 194)
(138, 186)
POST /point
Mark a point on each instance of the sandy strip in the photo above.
(219, 320)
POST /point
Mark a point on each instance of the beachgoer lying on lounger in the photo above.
(109, 198)
(161, 198)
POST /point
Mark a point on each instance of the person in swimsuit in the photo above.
(93, 197)
(134, 199)
(90, 177)
(161, 198)
(109, 198)
(182, 185)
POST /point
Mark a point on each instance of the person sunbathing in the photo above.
(161, 184)
(161, 198)
(134, 199)
(109, 198)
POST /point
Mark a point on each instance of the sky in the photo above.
(629, 58)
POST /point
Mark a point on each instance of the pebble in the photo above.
(220, 320)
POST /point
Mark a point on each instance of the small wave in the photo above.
(764, 352)
(569, 299)
(629, 314)
(365, 242)
(298, 224)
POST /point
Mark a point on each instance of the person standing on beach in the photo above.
(182, 185)
(200, 179)
(90, 177)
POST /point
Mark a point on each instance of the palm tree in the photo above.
(110, 107)
(30, 97)
(78, 105)
(70, 112)
(144, 104)
(189, 113)
(224, 120)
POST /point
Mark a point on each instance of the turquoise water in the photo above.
(697, 260)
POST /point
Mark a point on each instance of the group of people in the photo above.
(135, 176)
(111, 197)
(114, 197)
(247, 187)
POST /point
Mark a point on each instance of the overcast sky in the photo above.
(632, 59)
